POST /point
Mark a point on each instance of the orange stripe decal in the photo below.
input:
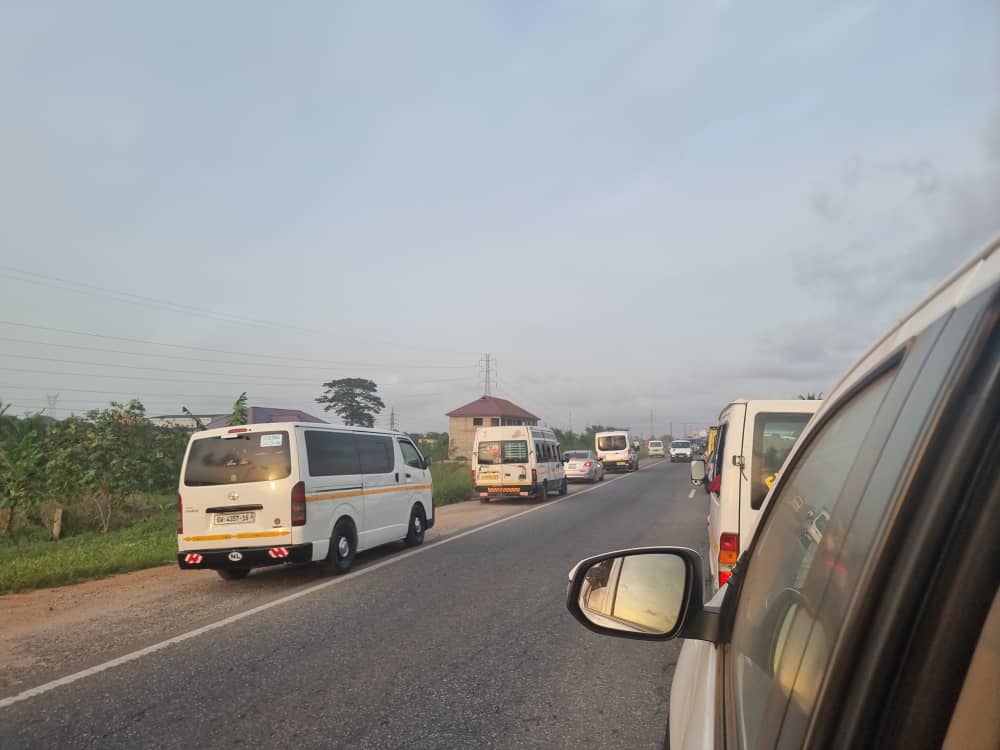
(262, 534)
(372, 491)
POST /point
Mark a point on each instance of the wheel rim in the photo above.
(343, 546)
(417, 526)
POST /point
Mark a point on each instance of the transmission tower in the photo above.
(487, 367)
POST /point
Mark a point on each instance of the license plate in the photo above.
(504, 490)
(225, 518)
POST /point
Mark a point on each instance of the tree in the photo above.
(198, 423)
(239, 415)
(355, 400)
(812, 396)
(21, 463)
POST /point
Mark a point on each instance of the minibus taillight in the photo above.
(716, 484)
(534, 476)
(729, 548)
(724, 575)
(180, 514)
(299, 504)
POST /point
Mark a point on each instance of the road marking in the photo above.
(690, 494)
(91, 671)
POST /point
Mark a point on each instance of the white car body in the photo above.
(264, 494)
(656, 449)
(583, 466)
(680, 450)
(517, 461)
(750, 448)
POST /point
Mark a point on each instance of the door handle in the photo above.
(397, 476)
(407, 476)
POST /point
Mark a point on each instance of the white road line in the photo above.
(76, 676)
(690, 494)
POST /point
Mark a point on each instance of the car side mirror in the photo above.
(427, 461)
(697, 472)
(652, 593)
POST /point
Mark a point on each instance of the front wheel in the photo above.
(415, 534)
(233, 574)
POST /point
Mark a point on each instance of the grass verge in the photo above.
(39, 564)
(452, 482)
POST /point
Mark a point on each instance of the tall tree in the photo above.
(198, 423)
(355, 400)
(239, 415)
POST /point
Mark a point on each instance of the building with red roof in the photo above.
(485, 411)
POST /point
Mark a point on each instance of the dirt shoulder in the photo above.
(51, 632)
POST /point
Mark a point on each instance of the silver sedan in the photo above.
(583, 466)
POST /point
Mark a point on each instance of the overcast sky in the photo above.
(634, 207)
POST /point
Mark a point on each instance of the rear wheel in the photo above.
(340, 557)
(564, 487)
(544, 494)
(233, 574)
(418, 522)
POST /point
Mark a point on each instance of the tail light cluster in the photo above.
(587, 463)
(299, 504)
(729, 552)
(534, 476)
(716, 484)
(180, 514)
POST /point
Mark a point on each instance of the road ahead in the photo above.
(464, 644)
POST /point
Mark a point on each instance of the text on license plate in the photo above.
(504, 490)
(224, 518)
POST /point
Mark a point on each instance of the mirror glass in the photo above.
(636, 593)
(697, 472)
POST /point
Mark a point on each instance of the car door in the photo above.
(810, 597)
(381, 491)
(417, 480)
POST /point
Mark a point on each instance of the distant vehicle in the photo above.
(517, 461)
(583, 466)
(615, 450)
(751, 447)
(655, 448)
(680, 450)
(268, 494)
(878, 627)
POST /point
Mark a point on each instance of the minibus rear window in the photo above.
(503, 452)
(250, 457)
(774, 435)
(612, 443)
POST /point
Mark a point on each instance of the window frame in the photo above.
(402, 453)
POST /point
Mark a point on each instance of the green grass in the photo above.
(38, 564)
(452, 482)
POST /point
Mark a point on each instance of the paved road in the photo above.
(465, 644)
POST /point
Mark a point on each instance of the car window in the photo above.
(773, 622)
(411, 456)
(376, 453)
(331, 454)
(773, 438)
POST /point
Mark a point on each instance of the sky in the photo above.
(640, 210)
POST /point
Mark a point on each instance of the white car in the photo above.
(880, 628)
(583, 466)
(656, 448)
(680, 450)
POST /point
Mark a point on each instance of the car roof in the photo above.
(276, 426)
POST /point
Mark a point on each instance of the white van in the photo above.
(656, 448)
(517, 461)
(753, 440)
(680, 450)
(266, 494)
(616, 451)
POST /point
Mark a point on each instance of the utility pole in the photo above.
(392, 418)
(651, 434)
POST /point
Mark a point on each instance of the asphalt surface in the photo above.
(466, 644)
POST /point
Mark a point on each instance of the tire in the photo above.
(544, 495)
(343, 545)
(564, 487)
(233, 574)
(418, 524)
(602, 476)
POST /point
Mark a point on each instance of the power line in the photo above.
(284, 358)
(80, 287)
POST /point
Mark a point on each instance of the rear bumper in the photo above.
(681, 457)
(510, 490)
(244, 557)
(618, 465)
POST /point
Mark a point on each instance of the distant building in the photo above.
(265, 414)
(183, 420)
(486, 411)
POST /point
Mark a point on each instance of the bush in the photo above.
(452, 482)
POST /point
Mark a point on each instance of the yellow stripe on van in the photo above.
(373, 491)
(261, 534)
(208, 538)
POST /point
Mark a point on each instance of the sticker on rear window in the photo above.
(270, 441)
